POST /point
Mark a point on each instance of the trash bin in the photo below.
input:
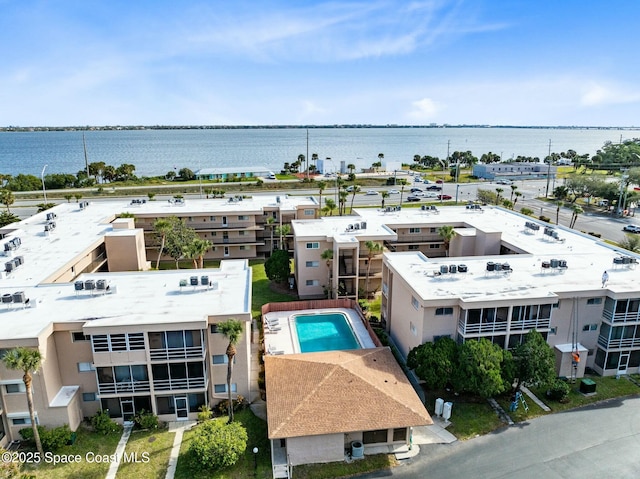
(439, 406)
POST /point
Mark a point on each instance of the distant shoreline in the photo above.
(275, 127)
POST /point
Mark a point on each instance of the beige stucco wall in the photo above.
(319, 273)
(126, 250)
(487, 243)
(316, 449)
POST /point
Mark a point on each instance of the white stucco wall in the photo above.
(315, 449)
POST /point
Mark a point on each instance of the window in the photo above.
(15, 388)
(313, 245)
(312, 282)
(86, 397)
(220, 359)
(309, 212)
(414, 247)
(553, 330)
(434, 246)
(412, 327)
(222, 388)
(374, 437)
(444, 311)
(590, 327)
(591, 301)
(243, 247)
(415, 303)
(243, 218)
(79, 336)
(242, 233)
(19, 421)
(85, 367)
(433, 230)
(212, 218)
(117, 342)
(399, 434)
(312, 264)
(213, 328)
(414, 230)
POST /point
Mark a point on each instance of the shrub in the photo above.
(51, 439)
(559, 390)
(217, 444)
(103, 424)
(546, 219)
(222, 408)
(145, 420)
(205, 413)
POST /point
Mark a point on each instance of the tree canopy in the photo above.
(278, 266)
(217, 444)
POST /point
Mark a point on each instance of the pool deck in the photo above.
(280, 335)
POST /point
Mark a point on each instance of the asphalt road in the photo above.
(595, 442)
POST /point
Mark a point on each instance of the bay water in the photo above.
(154, 152)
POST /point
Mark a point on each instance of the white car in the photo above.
(372, 192)
(393, 192)
(430, 194)
(504, 182)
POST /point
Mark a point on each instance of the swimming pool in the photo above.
(324, 332)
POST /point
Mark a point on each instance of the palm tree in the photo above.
(28, 361)
(195, 251)
(351, 167)
(402, 182)
(356, 188)
(330, 206)
(321, 186)
(161, 226)
(517, 195)
(283, 231)
(385, 195)
(373, 249)
(559, 204)
(447, 232)
(343, 201)
(327, 255)
(232, 330)
(513, 190)
(314, 158)
(499, 192)
(7, 198)
(576, 210)
(302, 160)
(270, 221)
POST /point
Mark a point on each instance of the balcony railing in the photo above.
(166, 354)
(619, 343)
(124, 387)
(530, 324)
(184, 383)
(629, 317)
(481, 327)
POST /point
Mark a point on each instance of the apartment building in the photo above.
(503, 275)
(113, 335)
(238, 227)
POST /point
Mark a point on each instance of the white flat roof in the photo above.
(64, 396)
(587, 258)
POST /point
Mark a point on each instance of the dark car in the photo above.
(413, 198)
(416, 190)
(434, 187)
(444, 197)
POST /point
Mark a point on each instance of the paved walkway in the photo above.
(178, 427)
(122, 444)
(535, 399)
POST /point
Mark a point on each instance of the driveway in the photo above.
(598, 441)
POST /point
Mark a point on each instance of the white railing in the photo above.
(183, 383)
(166, 354)
(124, 387)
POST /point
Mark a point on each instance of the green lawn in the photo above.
(262, 293)
(150, 452)
(88, 445)
(378, 462)
(606, 388)
(257, 433)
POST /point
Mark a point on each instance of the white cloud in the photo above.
(596, 95)
(424, 109)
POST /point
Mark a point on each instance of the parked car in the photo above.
(413, 198)
(426, 181)
(434, 187)
(393, 192)
(350, 188)
(417, 179)
(439, 182)
(444, 197)
(430, 194)
(631, 228)
(416, 190)
(504, 182)
(372, 192)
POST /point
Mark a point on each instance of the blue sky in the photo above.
(313, 62)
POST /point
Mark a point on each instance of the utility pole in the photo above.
(548, 170)
(307, 158)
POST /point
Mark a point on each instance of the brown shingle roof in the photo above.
(339, 391)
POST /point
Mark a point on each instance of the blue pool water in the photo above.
(324, 332)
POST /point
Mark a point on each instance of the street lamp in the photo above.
(255, 461)
(44, 191)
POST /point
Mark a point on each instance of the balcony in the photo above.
(477, 328)
(622, 343)
(166, 354)
(124, 387)
(179, 383)
(530, 324)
